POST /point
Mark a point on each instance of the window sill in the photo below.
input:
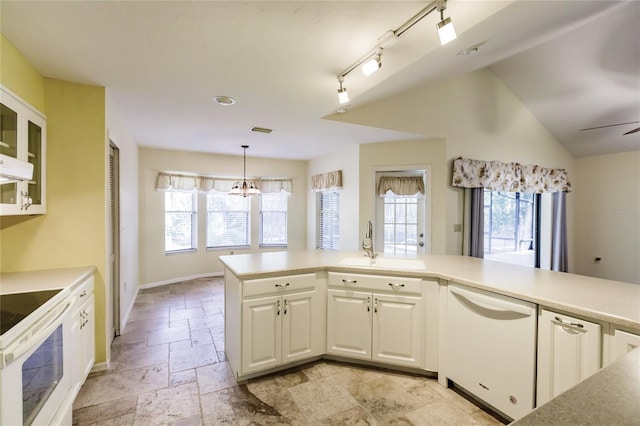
(174, 252)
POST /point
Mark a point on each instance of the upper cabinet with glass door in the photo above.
(22, 136)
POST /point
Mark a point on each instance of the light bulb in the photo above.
(446, 31)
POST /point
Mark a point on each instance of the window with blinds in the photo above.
(227, 221)
(328, 222)
(180, 222)
(273, 219)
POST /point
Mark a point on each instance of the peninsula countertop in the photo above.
(45, 279)
(606, 300)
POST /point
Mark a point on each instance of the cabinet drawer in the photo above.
(82, 291)
(375, 283)
(279, 285)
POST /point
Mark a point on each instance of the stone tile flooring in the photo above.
(168, 368)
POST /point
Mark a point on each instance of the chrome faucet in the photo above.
(367, 242)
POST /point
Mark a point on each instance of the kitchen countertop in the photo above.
(606, 300)
(45, 279)
(609, 397)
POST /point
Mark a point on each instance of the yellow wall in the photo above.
(17, 74)
(72, 232)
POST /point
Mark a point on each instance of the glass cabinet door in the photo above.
(34, 156)
(8, 146)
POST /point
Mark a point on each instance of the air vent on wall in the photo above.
(261, 130)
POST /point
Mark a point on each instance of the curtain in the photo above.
(559, 255)
(508, 177)
(476, 223)
(327, 181)
(187, 183)
(401, 185)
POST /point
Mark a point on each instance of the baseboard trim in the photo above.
(101, 366)
(177, 280)
(125, 319)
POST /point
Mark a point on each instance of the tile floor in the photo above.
(169, 369)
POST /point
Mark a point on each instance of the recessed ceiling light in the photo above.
(224, 100)
(471, 50)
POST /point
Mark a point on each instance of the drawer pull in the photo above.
(396, 285)
(573, 324)
(84, 293)
(282, 285)
(349, 281)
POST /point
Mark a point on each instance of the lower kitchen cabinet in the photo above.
(279, 330)
(381, 327)
(83, 332)
(569, 351)
(623, 343)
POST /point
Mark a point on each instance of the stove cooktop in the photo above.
(17, 306)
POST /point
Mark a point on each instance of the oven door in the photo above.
(36, 376)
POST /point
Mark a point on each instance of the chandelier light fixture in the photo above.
(244, 188)
(371, 61)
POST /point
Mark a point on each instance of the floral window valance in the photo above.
(508, 177)
(187, 183)
(331, 181)
(400, 186)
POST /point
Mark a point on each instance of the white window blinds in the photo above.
(328, 221)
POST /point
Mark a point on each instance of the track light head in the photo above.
(445, 27)
(372, 65)
(343, 96)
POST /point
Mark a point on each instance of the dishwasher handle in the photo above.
(491, 303)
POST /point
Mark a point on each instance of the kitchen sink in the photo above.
(383, 262)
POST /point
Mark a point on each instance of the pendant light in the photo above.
(244, 188)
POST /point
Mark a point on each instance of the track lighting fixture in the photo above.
(343, 96)
(244, 188)
(371, 61)
(445, 27)
(373, 64)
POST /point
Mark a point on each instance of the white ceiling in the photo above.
(576, 64)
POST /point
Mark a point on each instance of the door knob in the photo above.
(421, 244)
(421, 235)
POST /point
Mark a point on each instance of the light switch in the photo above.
(457, 227)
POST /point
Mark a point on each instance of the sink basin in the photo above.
(383, 262)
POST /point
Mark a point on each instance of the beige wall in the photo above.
(72, 232)
(607, 194)
(478, 117)
(347, 160)
(129, 247)
(20, 76)
(155, 266)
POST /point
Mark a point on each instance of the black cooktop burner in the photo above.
(16, 307)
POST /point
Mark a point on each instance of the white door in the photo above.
(349, 323)
(298, 323)
(401, 221)
(397, 330)
(623, 343)
(568, 352)
(261, 340)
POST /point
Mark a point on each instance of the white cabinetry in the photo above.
(82, 332)
(22, 136)
(568, 352)
(282, 322)
(376, 318)
(623, 343)
(491, 346)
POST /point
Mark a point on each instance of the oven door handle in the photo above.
(46, 325)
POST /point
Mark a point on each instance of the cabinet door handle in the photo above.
(349, 281)
(573, 324)
(394, 286)
(285, 306)
(375, 305)
(84, 293)
(368, 304)
(282, 285)
(278, 308)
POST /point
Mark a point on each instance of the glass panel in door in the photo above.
(34, 155)
(8, 146)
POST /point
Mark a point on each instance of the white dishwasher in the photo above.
(491, 348)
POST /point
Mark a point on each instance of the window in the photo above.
(273, 219)
(227, 221)
(400, 225)
(180, 222)
(510, 227)
(328, 223)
